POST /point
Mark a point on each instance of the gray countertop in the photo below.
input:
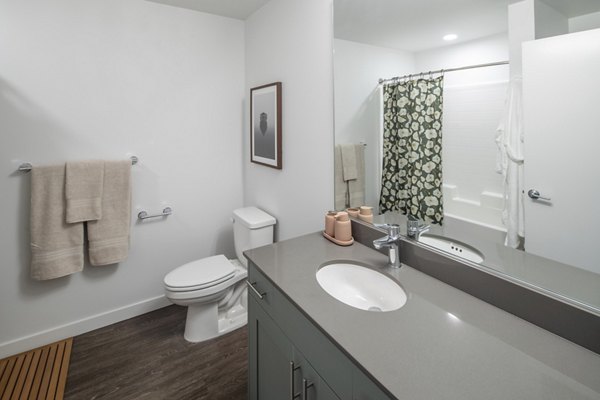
(443, 344)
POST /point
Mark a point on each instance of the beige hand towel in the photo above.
(356, 187)
(56, 247)
(109, 236)
(349, 166)
(83, 190)
(340, 186)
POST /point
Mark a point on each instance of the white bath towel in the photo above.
(56, 246)
(349, 167)
(83, 190)
(109, 236)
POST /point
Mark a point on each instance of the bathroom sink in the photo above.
(453, 247)
(361, 287)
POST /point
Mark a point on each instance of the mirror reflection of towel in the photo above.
(349, 192)
(349, 155)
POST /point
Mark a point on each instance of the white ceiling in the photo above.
(418, 25)
(239, 9)
(572, 8)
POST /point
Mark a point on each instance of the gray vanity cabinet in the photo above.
(277, 368)
(286, 348)
(270, 353)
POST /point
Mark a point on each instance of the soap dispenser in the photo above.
(343, 227)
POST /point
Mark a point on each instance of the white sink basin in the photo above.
(453, 247)
(361, 287)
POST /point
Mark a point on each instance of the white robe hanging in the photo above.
(509, 138)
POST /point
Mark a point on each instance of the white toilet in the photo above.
(213, 288)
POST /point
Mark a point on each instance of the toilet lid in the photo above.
(200, 274)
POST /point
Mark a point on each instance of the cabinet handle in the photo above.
(293, 369)
(305, 387)
(251, 286)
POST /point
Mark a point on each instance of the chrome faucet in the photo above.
(391, 241)
(414, 227)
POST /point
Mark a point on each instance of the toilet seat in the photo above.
(206, 294)
(200, 274)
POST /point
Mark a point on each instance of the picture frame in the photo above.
(265, 125)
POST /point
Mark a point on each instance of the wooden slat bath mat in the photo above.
(37, 374)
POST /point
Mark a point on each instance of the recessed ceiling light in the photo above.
(450, 36)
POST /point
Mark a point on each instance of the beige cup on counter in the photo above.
(353, 212)
(330, 223)
(366, 214)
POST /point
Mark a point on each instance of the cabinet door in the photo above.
(308, 385)
(270, 353)
(365, 389)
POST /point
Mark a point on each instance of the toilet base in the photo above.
(206, 321)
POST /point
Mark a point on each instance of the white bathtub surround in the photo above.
(485, 210)
(509, 139)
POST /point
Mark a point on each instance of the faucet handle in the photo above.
(414, 226)
(393, 230)
(412, 218)
(412, 221)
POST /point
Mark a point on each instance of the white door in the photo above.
(561, 100)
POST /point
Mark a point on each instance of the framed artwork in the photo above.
(265, 125)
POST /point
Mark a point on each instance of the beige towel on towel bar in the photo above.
(340, 186)
(356, 187)
(83, 190)
(349, 193)
(349, 162)
(56, 247)
(109, 237)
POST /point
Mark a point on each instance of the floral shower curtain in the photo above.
(411, 181)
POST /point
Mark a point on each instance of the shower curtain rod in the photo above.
(442, 71)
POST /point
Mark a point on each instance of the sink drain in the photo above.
(374, 308)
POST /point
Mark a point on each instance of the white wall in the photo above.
(101, 79)
(291, 41)
(485, 50)
(521, 28)
(584, 22)
(358, 68)
(548, 21)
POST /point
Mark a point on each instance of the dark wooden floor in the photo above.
(146, 357)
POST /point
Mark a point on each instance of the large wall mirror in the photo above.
(479, 118)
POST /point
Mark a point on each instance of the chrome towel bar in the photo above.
(165, 212)
(26, 167)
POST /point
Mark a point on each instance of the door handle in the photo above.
(535, 195)
(251, 286)
(293, 369)
(305, 386)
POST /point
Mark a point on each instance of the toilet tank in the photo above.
(252, 228)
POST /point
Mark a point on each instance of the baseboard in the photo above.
(81, 326)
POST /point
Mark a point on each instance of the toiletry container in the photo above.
(343, 227)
